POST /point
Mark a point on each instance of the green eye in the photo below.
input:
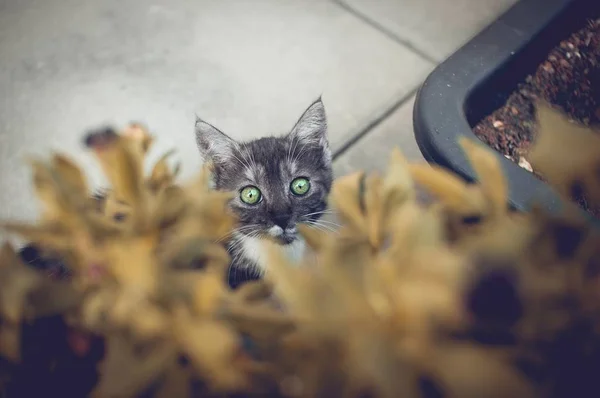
(250, 195)
(300, 186)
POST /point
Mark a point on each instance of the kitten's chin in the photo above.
(287, 239)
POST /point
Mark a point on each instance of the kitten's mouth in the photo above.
(283, 237)
(287, 239)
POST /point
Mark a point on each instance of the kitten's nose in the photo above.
(282, 221)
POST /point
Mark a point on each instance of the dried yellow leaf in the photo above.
(491, 178)
(125, 373)
(566, 154)
(450, 189)
(213, 349)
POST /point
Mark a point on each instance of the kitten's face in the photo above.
(280, 181)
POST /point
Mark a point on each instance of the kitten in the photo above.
(280, 181)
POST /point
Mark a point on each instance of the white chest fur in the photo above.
(254, 250)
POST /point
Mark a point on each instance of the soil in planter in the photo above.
(569, 78)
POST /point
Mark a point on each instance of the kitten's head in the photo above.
(280, 181)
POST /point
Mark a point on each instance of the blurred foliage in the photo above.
(461, 298)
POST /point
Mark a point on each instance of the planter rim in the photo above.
(441, 110)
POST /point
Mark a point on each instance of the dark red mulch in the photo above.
(568, 79)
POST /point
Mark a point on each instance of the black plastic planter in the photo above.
(478, 79)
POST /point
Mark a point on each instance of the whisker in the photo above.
(323, 227)
(320, 220)
(295, 147)
(245, 165)
(330, 223)
(327, 224)
(289, 150)
(252, 158)
(225, 236)
(233, 249)
(326, 227)
(319, 212)
(240, 149)
(299, 155)
(320, 228)
(245, 227)
(248, 156)
(238, 242)
(235, 230)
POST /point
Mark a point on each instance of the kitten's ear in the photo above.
(214, 145)
(311, 128)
